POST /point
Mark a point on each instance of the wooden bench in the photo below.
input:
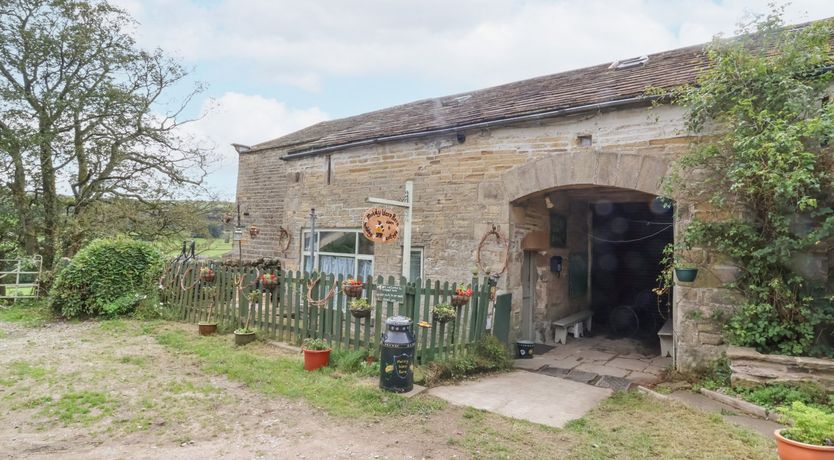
(576, 322)
(665, 335)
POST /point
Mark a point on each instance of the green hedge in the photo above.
(107, 277)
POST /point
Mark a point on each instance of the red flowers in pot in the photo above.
(268, 281)
(461, 296)
(352, 287)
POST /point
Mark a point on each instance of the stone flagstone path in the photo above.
(599, 361)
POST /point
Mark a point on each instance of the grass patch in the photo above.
(337, 393)
(28, 313)
(21, 370)
(775, 395)
(630, 425)
(82, 407)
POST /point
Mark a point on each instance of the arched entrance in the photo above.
(590, 233)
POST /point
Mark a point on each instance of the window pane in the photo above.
(307, 240)
(416, 269)
(366, 246)
(308, 264)
(340, 242)
(336, 265)
(366, 268)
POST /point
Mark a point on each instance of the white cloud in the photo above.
(476, 42)
(244, 119)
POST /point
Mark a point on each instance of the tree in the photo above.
(83, 108)
(764, 173)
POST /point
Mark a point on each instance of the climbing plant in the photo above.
(761, 173)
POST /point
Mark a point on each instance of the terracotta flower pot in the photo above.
(459, 300)
(244, 338)
(795, 450)
(353, 290)
(207, 328)
(316, 359)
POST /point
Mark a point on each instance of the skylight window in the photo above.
(629, 63)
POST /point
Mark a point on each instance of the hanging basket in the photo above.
(207, 275)
(442, 319)
(353, 290)
(459, 300)
(360, 313)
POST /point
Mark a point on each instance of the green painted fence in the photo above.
(285, 314)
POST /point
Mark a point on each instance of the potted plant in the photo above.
(685, 273)
(443, 313)
(208, 327)
(268, 281)
(207, 274)
(360, 308)
(461, 296)
(352, 287)
(246, 334)
(316, 354)
(810, 436)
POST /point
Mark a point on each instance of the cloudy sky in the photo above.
(274, 66)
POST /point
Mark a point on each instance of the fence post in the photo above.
(501, 317)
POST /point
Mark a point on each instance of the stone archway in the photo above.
(627, 171)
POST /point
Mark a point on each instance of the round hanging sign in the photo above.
(380, 225)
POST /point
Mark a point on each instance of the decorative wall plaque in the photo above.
(380, 225)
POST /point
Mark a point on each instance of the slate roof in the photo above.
(575, 88)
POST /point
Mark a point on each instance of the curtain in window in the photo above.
(336, 265)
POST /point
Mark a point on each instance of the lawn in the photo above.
(128, 386)
(212, 248)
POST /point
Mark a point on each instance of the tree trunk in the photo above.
(50, 204)
(28, 237)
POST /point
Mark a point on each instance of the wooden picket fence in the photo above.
(285, 313)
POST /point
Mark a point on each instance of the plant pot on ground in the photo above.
(360, 308)
(443, 313)
(209, 326)
(316, 354)
(244, 336)
(810, 435)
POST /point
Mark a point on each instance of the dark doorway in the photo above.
(628, 241)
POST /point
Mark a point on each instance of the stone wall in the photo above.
(750, 367)
(461, 189)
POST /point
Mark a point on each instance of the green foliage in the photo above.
(354, 362)
(315, 344)
(346, 396)
(773, 396)
(766, 176)
(107, 277)
(360, 304)
(443, 312)
(32, 313)
(491, 354)
(809, 425)
(488, 355)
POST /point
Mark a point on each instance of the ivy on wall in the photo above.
(762, 175)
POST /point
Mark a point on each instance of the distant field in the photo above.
(206, 247)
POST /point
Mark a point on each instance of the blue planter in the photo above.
(686, 275)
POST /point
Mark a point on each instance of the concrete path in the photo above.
(728, 413)
(527, 396)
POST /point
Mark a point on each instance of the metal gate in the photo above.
(20, 278)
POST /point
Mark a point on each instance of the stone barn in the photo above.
(567, 166)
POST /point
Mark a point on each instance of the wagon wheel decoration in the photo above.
(501, 240)
(184, 276)
(284, 240)
(319, 302)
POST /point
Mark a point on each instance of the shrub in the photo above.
(489, 354)
(809, 425)
(492, 354)
(107, 277)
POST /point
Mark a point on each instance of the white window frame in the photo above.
(356, 256)
(422, 256)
